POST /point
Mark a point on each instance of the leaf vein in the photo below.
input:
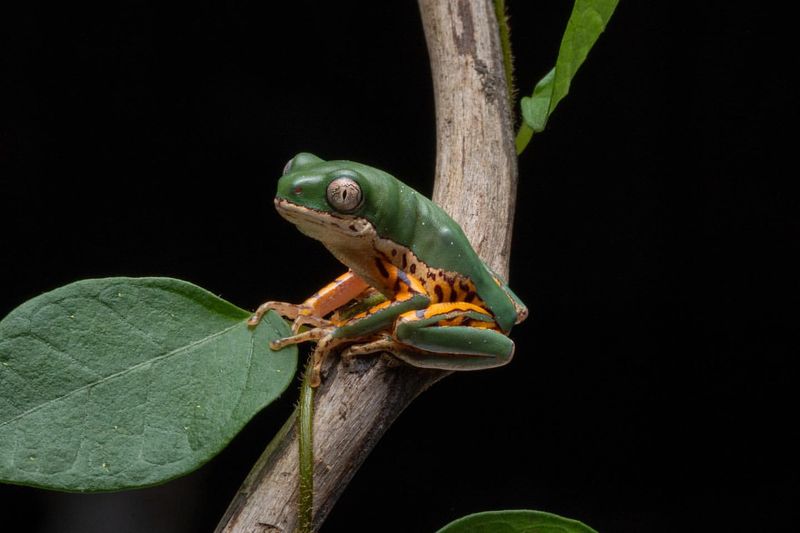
(121, 373)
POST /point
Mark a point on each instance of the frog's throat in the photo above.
(323, 225)
(349, 238)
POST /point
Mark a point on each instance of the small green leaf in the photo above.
(536, 108)
(515, 522)
(117, 383)
(586, 22)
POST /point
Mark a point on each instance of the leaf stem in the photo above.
(305, 500)
(524, 136)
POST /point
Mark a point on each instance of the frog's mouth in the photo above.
(322, 225)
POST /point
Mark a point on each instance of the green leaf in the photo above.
(116, 383)
(586, 22)
(536, 108)
(515, 522)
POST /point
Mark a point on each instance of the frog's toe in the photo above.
(309, 320)
(307, 336)
(278, 344)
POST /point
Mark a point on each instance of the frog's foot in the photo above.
(286, 310)
(325, 346)
(309, 320)
(383, 344)
(311, 335)
(386, 344)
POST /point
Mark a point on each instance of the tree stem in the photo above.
(476, 184)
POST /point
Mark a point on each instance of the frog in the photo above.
(414, 287)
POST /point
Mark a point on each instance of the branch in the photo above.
(476, 184)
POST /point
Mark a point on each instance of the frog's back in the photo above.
(441, 255)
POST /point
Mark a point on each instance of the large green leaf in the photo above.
(586, 22)
(115, 383)
(515, 522)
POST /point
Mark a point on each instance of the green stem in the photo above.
(305, 428)
(505, 45)
(523, 137)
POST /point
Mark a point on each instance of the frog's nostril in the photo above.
(298, 190)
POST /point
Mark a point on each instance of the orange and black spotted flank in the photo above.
(403, 272)
(439, 294)
(452, 284)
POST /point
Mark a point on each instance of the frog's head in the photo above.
(333, 200)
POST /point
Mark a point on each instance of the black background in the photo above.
(654, 243)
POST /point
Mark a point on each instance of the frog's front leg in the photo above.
(311, 312)
(445, 336)
(409, 295)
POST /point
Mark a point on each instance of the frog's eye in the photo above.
(287, 167)
(344, 195)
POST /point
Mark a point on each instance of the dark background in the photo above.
(654, 243)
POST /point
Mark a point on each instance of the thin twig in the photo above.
(305, 409)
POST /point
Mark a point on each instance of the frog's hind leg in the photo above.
(384, 344)
(487, 349)
(451, 336)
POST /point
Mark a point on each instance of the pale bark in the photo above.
(476, 184)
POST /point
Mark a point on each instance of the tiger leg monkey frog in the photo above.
(436, 304)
